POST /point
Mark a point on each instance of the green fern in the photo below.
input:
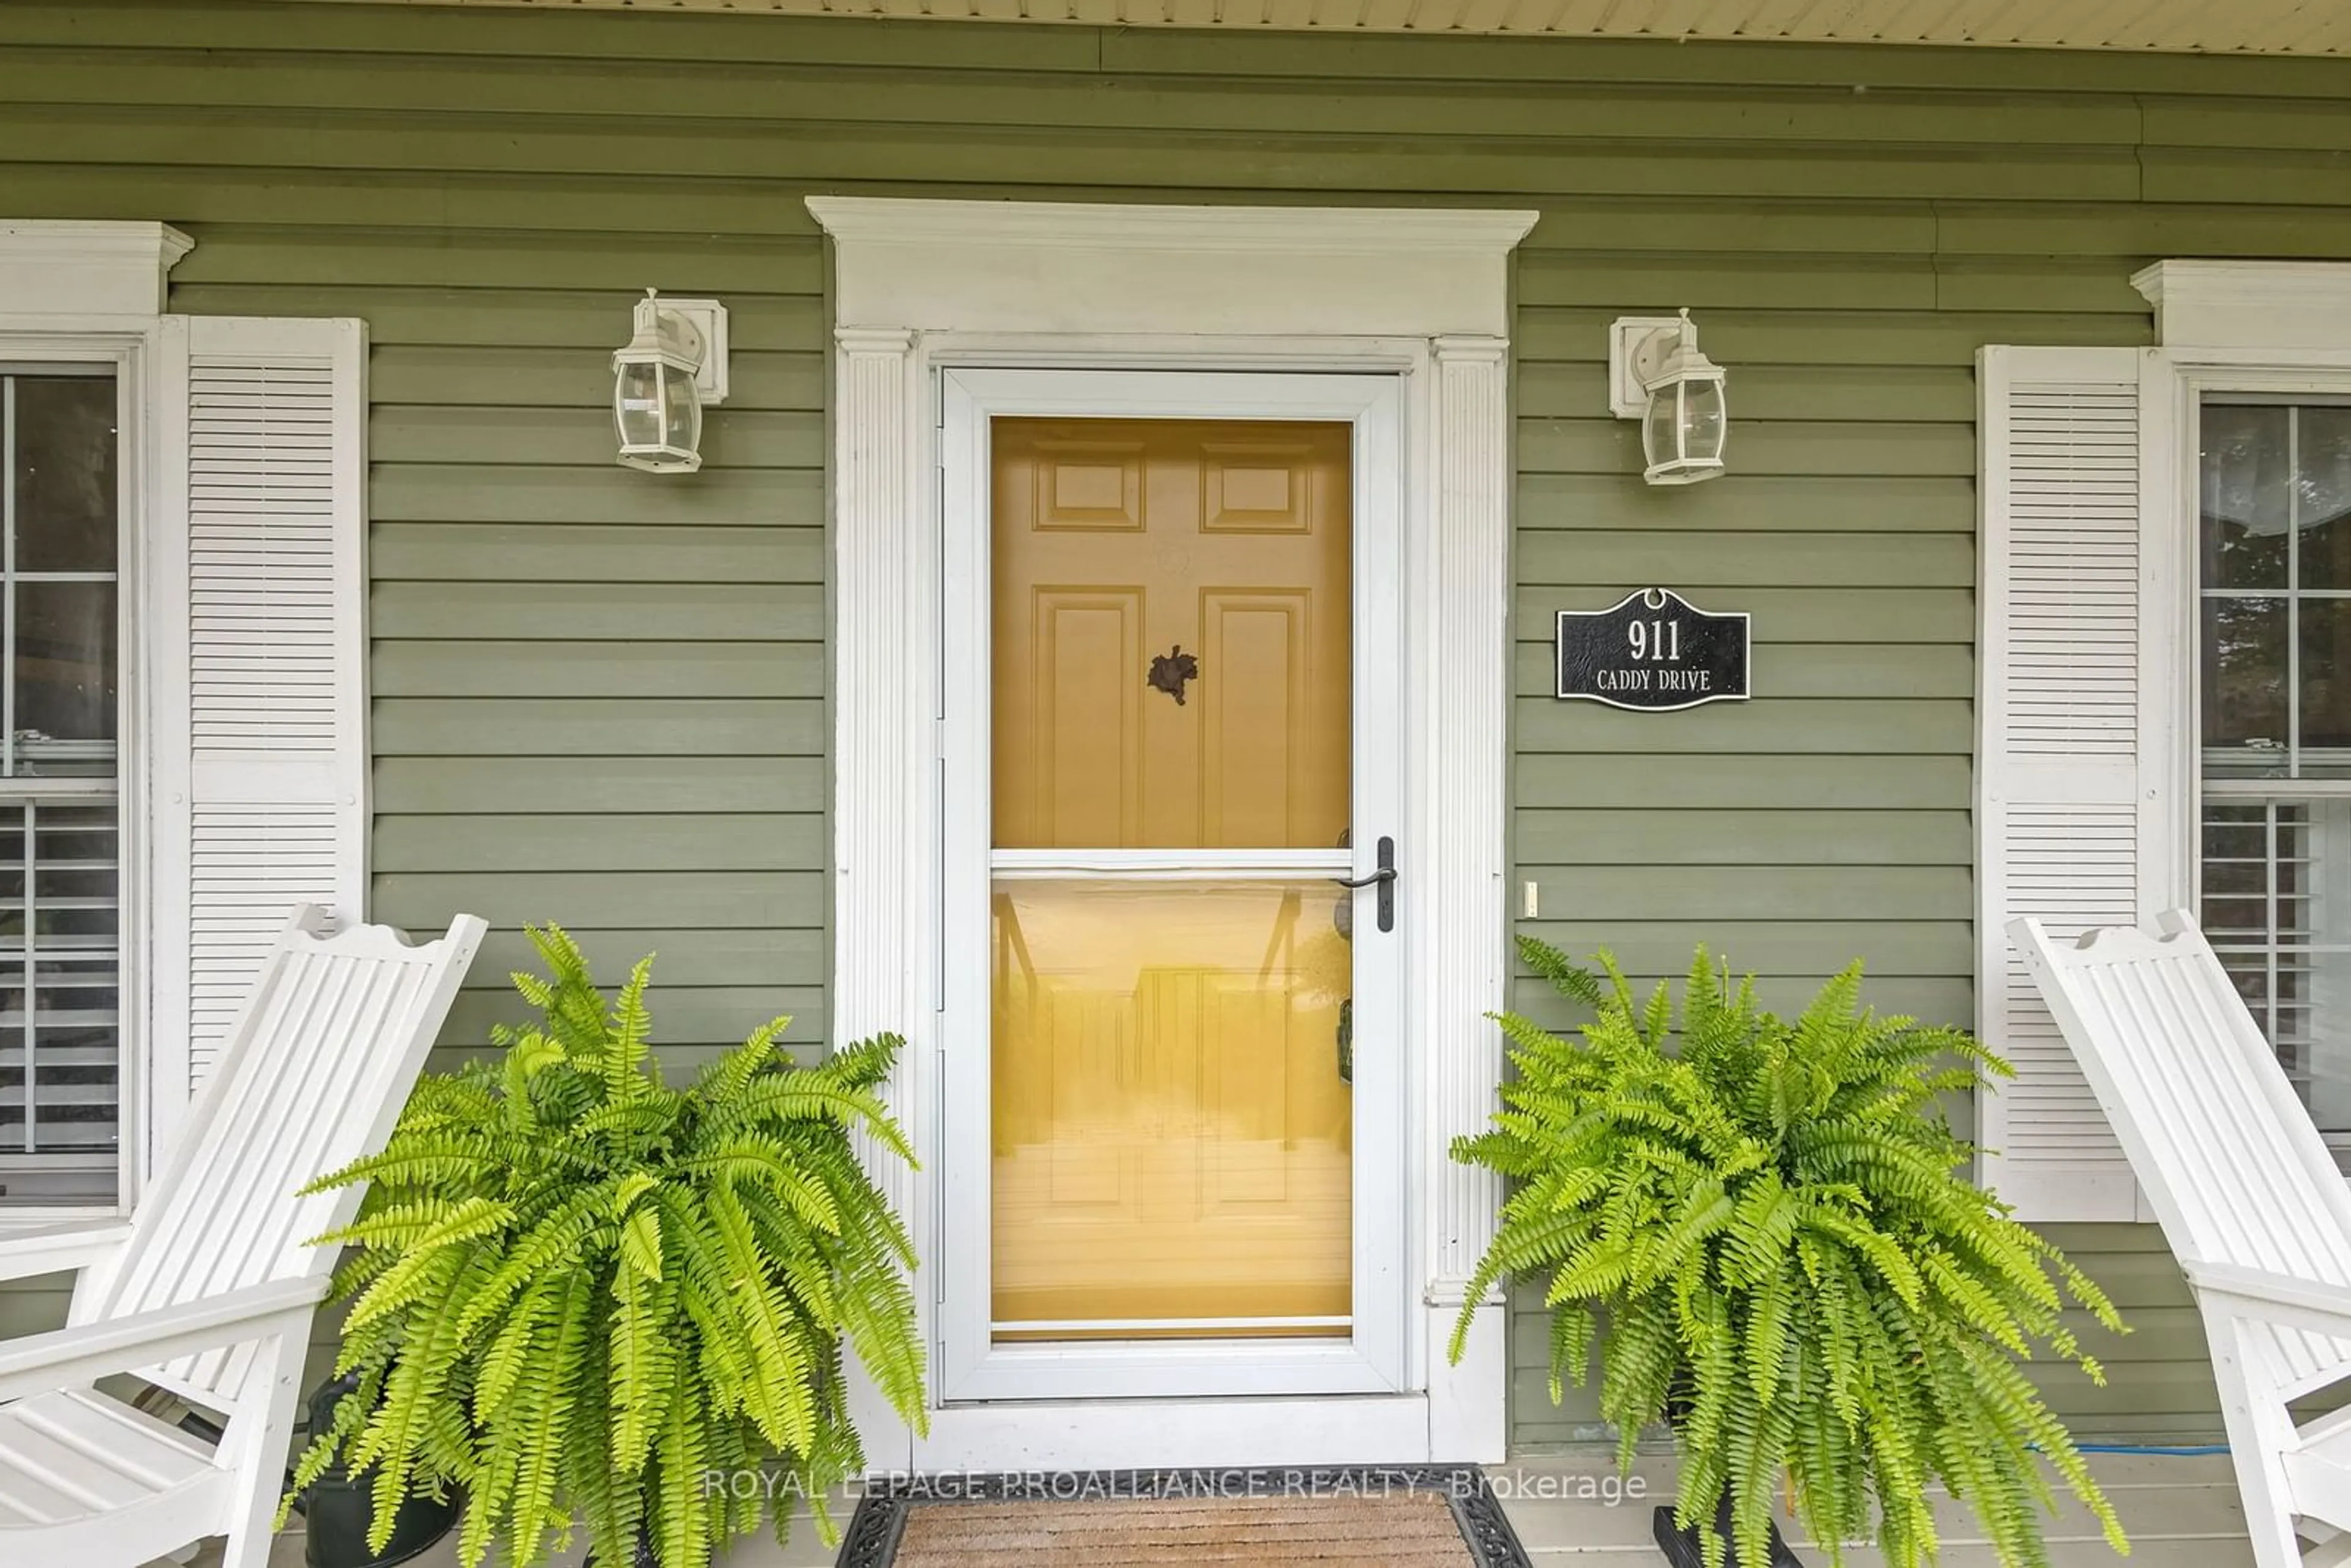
(577, 1293)
(1795, 1272)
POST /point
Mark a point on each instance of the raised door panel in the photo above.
(1266, 757)
(1226, 557)
(1086, 720)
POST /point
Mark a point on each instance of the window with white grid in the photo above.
(2274, 677)
(60, 880)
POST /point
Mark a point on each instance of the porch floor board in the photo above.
(2181, 1513)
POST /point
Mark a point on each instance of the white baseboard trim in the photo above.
(1177, 1434)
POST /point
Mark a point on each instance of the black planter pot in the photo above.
(338, 1509)
(1682, 1550)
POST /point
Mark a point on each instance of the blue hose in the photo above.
(2191, 1451)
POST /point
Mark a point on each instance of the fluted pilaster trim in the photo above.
(880, 560)
(1465, 944)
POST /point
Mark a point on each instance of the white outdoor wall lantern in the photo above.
(672, 367)
(1656, 375)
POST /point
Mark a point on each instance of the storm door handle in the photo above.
(1386, 877)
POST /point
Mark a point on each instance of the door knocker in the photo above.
(1170, 671)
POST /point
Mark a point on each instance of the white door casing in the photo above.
(1421, 297)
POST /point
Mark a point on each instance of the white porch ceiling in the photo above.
(2185, 27)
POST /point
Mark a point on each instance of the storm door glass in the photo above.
(1171, 962)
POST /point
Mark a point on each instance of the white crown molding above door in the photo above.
(1065, 267)
(1420, 294)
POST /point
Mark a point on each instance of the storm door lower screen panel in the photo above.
(1174, 1145)
(1171, 964)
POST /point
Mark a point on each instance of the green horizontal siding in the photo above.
(35, 1305)
(599, 696)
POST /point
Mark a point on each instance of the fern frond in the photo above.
(575, 1287)
(1571, 980)
(1773, 1216)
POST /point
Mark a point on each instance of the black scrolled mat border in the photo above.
(871, 1538)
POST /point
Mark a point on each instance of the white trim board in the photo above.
(63, 268)
(1051, 268)
(2297, 312)
(1422, 296)
(1177, 1434)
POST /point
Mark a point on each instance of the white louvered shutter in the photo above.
(2075, 796)
(257, 589)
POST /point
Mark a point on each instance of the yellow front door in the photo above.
(1171, 1112)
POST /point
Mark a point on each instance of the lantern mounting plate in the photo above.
(1637, 346)
(708, 317)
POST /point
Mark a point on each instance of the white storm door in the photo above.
(1173, 1156)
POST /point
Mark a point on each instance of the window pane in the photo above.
(2247, 478)
(61, 1006)
(2236, 866)
(2323, 446)
(60, 1023)
(2325, 637)
(65, 473)
(2280, 918)
(64, 637)
(2244, 680)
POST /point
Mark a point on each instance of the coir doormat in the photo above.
(1365, 1517)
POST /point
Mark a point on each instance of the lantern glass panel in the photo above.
(637, 404)
(1661, 428)
(1702, 420)
(681, 410)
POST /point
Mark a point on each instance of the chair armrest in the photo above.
(2279, 1299)
(39, 1363)
(54, 1249)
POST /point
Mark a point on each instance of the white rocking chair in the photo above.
(2249, 1197)
(208, 1288)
